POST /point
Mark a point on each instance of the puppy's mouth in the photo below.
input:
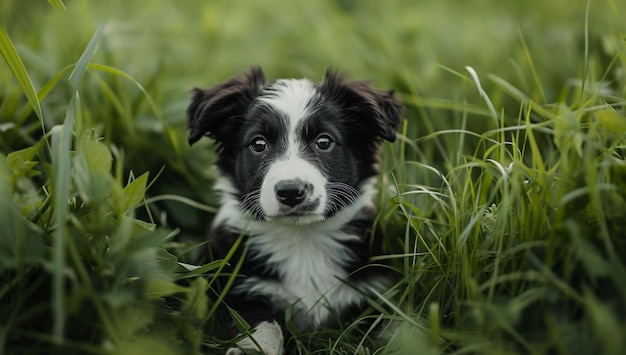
(296, 219)
(304, 213)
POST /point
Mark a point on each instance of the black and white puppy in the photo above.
(297, 165)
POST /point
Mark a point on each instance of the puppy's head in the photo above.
(292, 150)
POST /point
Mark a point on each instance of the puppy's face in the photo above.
(294, 151)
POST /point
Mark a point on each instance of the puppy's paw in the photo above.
(268, 335)
(234, 351)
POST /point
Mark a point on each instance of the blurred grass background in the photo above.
(506, 224)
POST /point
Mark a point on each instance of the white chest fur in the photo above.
(309, 261)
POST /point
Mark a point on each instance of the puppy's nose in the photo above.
(291, 192)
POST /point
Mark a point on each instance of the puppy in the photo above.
(297, 165)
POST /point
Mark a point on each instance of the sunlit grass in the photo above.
(503, 200)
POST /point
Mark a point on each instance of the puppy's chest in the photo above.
(312, 267)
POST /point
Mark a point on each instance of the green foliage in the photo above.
(503, 199)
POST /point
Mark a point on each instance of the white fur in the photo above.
(308, 261)
(268, 335)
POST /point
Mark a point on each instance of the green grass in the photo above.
(503, 201)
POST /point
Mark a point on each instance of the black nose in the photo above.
(291, 192)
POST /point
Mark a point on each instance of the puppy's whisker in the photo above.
(251, 204)
(340, 196)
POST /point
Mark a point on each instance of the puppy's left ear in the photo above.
(218, 112)
(381, 110)
(389, 112)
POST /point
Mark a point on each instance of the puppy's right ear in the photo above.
(218, 111)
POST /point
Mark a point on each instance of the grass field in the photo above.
(503, 201)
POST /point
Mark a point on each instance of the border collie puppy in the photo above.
(297, 165)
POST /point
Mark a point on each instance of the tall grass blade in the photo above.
(81, 66)
(45, 90)
(586, 54)
(157, 113)
(61, 165)
(484, 95)
(16, 66)
(531, 65)
(58, 4)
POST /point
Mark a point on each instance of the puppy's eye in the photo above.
(258, 144)
(324, 142)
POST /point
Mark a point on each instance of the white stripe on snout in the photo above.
(292, 98)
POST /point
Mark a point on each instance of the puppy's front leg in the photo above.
(267, 334)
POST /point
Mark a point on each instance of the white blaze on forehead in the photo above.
(291, 97)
